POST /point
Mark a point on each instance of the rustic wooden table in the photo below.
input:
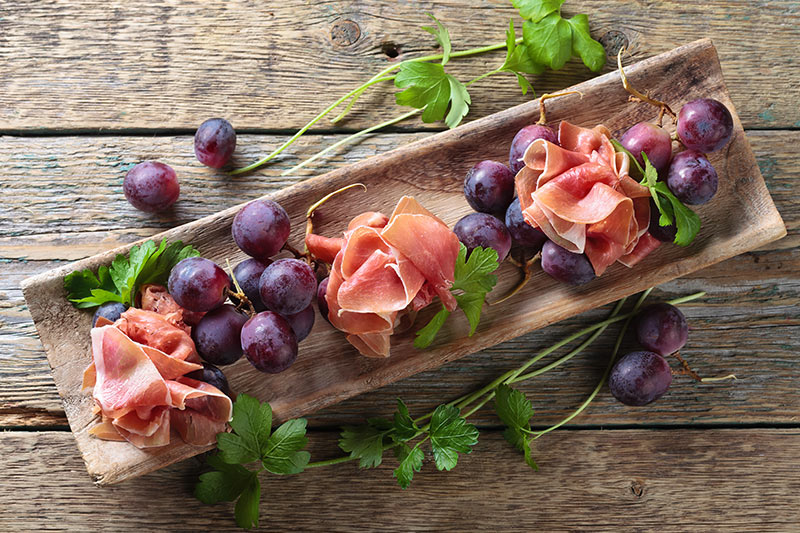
(89, 88)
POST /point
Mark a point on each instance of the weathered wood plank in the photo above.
(674, 480)
(92, 64)
(755, 296)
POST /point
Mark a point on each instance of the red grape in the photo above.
(151, 186)
(213, 376)
(521, 232)
(198, 284)
(302, 322)
(248, 274)
(566, 266)
(662, 233)
(692, 178)
(322, 302)
(662, 328)
(705, 125)
(269, 342)
(639, 378)
(214, 142)
(480, 229)
(523, 139)
(652, 140)
(489, 187)
(287, 286)
(261, 228)
(217, 334)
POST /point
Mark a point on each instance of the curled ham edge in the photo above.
(581, 196)
(141, 392)
(381, 269)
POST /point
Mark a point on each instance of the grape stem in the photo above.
(526, 276)
(239, 294)
(316, 205)
(663, 107)
(686, 370)
(546, 96)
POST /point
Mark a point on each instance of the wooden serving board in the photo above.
(741, 217)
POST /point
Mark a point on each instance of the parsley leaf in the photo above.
(251, 423)
(224, 484)
(518, 61)
(428, 86)
(590, 51)
(442, 36)
(404, 426)
(366, 442)
(246, 509)
(536, 10)
(425, 336)
(282, 453)
(549, 41)
(410, 462)
(450, 435)
(146, 263)
(515, 410)
(686, 220)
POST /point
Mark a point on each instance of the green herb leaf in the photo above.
(472, 305)
(536, 10)
(518, 60)
(251, 423)
(649, 180)
(475, 273)
(515, 410)
(246, 509)
(428, 86)
(410, 462)
(282, 453)
(224, 484)
(590, 51)
(686, 220)
(366, 442)
(404, 426)
(459, 102)
(450, 435)
(442, 36)
(548, 41)
(425, 336)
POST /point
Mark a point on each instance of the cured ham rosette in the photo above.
(581, 196)
(383, 267)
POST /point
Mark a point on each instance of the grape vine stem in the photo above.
(663, 107)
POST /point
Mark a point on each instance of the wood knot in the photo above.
(637, 488)
(614, 41)
(390, 49)
(345, 32)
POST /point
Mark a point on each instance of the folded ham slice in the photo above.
(383, 267)
(581, 196)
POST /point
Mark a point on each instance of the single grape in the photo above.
(480, 229)
(261, 228)
(705, 125)
(662, 328)
(692, 178)
(287, 286)
(151, 186)
(214, 142)
(198, 284)
(639, 378)
(213, 376)
(523, 139)
(269, 342)
(248, 274)
(521, 232)
(302, 322)
(652, 140)
(489, 187)
(322, 302)
(566, 266)
(110, 311)
(662, 233)
(216, 336)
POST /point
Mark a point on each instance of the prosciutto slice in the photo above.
(581, 196)
(383, 267)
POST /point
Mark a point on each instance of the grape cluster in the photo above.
(641, 377)
(280, 291)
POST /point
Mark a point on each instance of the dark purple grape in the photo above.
(652, 140)
(705, 125)
(287, 286)
(214, 142)
(198, 284)
(302, 322)
(217, 335)
(639, 378)
(523, 139)
(151, 186)
(521, 232)
(662, 328)
(322, 302)
(213, 376)
(480, 229)
(662, 233)
(261, 228)
(110, 311)
(269, 342)
(692, 178)
(489, 187)
(248, 274)
(566, 266)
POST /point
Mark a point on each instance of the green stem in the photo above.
(330, 462)
(349, 139)
(484, 75)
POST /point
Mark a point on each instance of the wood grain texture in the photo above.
(94, 64)
(432, 170)
(588, 481)
(749, 329)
